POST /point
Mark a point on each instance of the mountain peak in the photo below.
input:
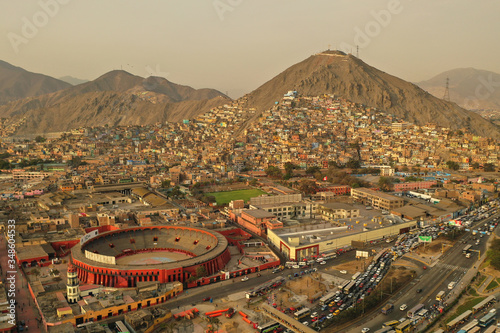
(17, 83)
(340, 74)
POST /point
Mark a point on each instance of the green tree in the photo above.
(312, 170)
(274, 172)
(175, 192)
(385, 183)
(452, 165)
(40, 139)
(289, 167)
(489, 167)
(201, 271)
(353, 164)
(307, 186)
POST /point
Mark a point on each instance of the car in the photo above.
(245, 278)
(314, 314)
(403, 307)
(424, 267)
(364, 330)
(306, 323)
(314, 319)
(330, 316)
(322, 263)
(206, 299)
(343, 271)
(419, 291)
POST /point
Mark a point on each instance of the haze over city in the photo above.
(234, 46)
(249, 166)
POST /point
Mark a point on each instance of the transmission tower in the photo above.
(357, 51)
(446, 96)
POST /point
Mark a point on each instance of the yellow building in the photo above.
(106, 303)
(377, 199)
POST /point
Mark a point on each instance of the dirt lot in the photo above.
(353, 266)
(434, 247)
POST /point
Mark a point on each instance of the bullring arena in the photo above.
(122, 258)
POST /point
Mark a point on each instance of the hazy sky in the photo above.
(236, 45)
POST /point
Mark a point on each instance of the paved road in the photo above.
(452, 266)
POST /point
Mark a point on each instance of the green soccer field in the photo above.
(226, 197)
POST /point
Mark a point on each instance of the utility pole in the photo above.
(446, 96)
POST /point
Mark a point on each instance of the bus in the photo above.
(491, 329)
(440, 295)
(476, 329)
(302, 313)
(327, 298)
(487, 320)
(385, 330)
(469, 326)
(330, 256)
(349, 287)
(355, 276)
(269, 327)
(344, 284)
(392, 323)
(404, 327)
(387, 308)
(466, 249)
(461, 318)
(289, 264)
(120, 326)
(485, 302)
(413, 311)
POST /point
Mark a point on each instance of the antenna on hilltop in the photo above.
(329, 47)
(446, 96)
(357, 51)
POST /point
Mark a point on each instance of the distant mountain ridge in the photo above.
(115, 98)
(17, 83)
(72, 80)
(334, 72)
(471, 88)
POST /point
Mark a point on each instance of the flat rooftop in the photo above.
(322, 231)
(258, 213)
(379, 194)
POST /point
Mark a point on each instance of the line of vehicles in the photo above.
(352, 292)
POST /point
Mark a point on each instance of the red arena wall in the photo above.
(201, 247)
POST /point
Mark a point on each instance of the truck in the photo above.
(387, 308)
